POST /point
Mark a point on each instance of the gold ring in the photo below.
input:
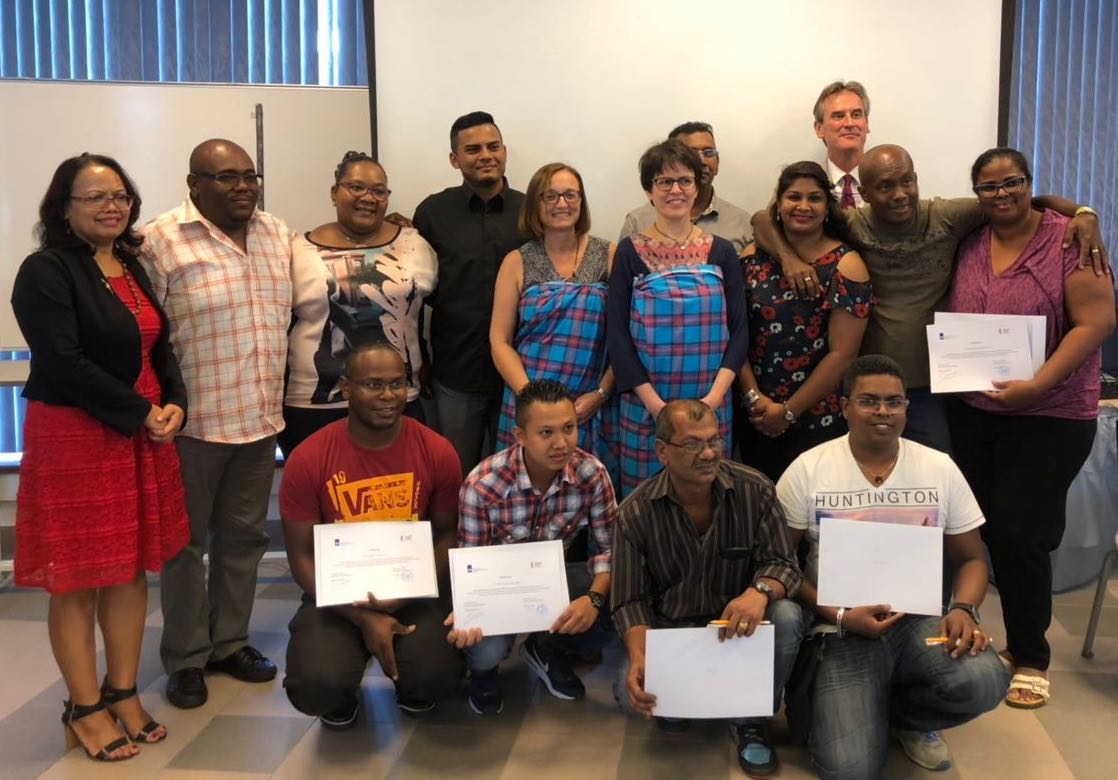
(1094, 251)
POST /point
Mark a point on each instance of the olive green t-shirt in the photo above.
(911, 269)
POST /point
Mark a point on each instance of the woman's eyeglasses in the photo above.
(100, 199)
(570, 196)
(665, 183)
(1011, 187)
(359, 190)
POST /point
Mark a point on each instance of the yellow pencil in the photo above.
(724, 623)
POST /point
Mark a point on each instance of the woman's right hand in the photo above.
(163, 422)
(655, 407)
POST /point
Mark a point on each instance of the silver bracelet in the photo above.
(838, 621)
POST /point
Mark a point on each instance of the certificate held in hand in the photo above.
(508, 588)
(388, 559)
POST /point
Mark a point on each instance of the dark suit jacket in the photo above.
(85, 343)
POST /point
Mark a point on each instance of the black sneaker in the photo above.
(483, 693)
(414, 706)
(755, 751)
(553, 668)
(341, 717)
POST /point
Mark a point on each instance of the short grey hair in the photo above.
(836, 87)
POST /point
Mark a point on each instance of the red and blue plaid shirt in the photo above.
(498, 505)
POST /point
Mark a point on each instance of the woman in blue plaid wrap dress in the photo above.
(676, 324)
(549, 310)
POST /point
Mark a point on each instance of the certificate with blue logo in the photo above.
(508, 588)
(391, 560)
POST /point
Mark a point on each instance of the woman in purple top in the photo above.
(1021, 445)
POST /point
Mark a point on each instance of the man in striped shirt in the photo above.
(221, 269)
(703, 539)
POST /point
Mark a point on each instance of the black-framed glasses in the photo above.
(228, 179)
(379, 385)
(101, 199)
(872, 404)
(696, 447)
(665, 183)
(1011, 186)
(358, 190)
(551, 197)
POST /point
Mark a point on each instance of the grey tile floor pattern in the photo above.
(251, 731)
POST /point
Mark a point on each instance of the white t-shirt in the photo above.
(925, 488)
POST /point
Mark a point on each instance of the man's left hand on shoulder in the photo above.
(1084, 229)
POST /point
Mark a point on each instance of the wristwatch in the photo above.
(751, 397)
(765, 588)
(970, 609)
(788, 415)
(597, 599)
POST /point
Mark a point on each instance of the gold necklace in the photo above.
(877, 479)
(681, 241)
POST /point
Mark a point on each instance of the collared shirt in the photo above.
(721, 218)
(229, 311)
(471, 237)
(835, 174)
(499, 505)
(667, 573)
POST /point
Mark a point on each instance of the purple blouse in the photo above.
(1034, 284)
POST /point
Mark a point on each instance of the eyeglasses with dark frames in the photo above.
(229, 179)
(1011, 186)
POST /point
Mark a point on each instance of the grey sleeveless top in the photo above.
(538, 267)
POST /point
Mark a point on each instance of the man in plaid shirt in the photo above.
(222, 270)
(542, 488)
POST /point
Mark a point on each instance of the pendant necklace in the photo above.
(877, 479)
(681, 241)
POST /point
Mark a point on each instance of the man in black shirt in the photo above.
(472, 227)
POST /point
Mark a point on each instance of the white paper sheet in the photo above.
(863, 563)
(1035, 324)
(508, 588)
(693, 675)
(968, 355)
(392, 560)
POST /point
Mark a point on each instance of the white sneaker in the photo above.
(924, 748)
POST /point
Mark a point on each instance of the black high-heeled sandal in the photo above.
(73, 712)
(111, 696)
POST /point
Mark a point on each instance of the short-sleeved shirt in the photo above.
(471, 237)
(911, 269)
(788, 335)
(1034, 284)
(721, 218)
(345, 297)
(925, 488)
(330, 479)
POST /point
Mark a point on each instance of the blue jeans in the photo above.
(788, 623)
(927, 420)
(468, 421)
(865, 686)
(491, 650)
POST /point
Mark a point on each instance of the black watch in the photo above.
(970, 609)
(597, 599)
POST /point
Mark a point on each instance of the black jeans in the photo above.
(1020, 468)
(772, 456)
(326, 657)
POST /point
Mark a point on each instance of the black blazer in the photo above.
(85, 343)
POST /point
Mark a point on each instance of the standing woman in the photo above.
(800, 347)
(1021, 445)
(359, 279)
(549, 309)
(100, 497)
(676, 325)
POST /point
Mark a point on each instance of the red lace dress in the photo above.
(95, 508)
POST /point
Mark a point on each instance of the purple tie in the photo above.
(847, 199)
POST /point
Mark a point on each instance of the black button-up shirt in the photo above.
(666, 574)
(471, 237)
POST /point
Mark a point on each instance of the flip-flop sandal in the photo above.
(1038, 686)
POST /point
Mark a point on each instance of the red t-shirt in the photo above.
(329, 479)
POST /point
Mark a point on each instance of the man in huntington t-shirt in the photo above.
(374, 465)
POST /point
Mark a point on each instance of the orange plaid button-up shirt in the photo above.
(229, 311)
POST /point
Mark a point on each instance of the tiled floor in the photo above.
(250, 731)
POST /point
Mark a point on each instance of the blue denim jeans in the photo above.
(491, 650)
(865, 686)
(788, 624)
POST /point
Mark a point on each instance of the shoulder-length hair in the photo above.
(834, 225)
(53, 229)
(529, 223)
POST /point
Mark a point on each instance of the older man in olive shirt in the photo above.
(703, 539)
(471, 227)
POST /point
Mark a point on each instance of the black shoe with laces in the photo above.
(246, 664)
(483, 693)
(553, 668)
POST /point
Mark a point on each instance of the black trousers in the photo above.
(772, 456)
(326, 657)
(1020, 468)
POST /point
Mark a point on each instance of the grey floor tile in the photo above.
(434, 751)
(1082, 719)
(241, 744)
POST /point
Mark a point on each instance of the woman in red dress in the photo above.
(100, 497)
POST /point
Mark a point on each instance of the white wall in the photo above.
(151, 129)
(594, 82)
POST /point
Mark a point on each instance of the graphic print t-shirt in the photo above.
(925, 488)
(329, 479)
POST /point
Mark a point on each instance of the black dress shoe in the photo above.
(186, 688)
(246, 664)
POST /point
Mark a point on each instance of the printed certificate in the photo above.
(391, 560)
